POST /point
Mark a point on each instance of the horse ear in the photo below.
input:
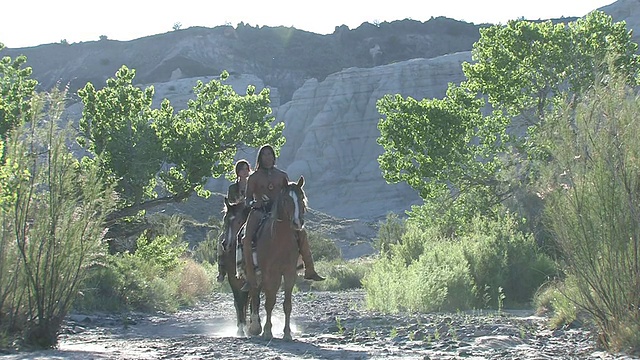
(300, 181)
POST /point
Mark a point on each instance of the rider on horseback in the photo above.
(263, 186)
(235, 194)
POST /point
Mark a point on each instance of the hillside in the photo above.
(324, 88)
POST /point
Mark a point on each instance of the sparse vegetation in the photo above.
(470, 245)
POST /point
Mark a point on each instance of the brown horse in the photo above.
(234, 217)
(277, 249)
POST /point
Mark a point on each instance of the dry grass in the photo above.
(195, 281)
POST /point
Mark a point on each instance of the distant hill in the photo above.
(282, 57)
(324, 88)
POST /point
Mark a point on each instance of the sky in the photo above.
(35, 22)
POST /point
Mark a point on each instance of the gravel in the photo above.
(326, 325)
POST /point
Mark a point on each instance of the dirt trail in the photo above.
(326, 325)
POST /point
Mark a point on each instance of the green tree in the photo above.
(520, 71)
(16, 90)
(157, 155)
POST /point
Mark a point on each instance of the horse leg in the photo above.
(254, 319)
(240, 302)
(289, 281)
(269, 303)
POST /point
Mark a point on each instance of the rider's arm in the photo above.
(249, 201)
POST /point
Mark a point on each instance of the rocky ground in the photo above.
(326, 325)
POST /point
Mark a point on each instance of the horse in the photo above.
(234, 217)
(277, 254)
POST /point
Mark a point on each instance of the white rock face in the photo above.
(331, 131)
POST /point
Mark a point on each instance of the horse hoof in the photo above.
(287, 337)
(267, 336)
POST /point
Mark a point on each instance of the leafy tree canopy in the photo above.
(157, 155)
(519, 71)
(16, 90)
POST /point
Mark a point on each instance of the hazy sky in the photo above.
(31, 23)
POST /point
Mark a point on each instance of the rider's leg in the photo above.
(247, 245)
(309, 268)
(221, 271)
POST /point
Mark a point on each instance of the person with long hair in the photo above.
(263, 186)
(235, 194)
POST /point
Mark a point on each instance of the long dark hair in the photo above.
(240, 163)
(261, 151)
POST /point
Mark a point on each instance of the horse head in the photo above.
(292, 204)
(235, 215)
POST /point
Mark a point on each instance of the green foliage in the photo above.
(322, 247)
(162, 250)
(163, 244)
(115, 129)
(207, 250)
(157, 276)
(412, 244)
(428, 142)
(439, 280)
(522, 70)
(341, 274)
(17, 88)
(555, 298)
(52, 225)
(139, 148)
(500, 256)
(491, 261)
(593, 205)
(389, 233)
(128, 282)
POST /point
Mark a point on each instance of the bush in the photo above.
(156, 277)
(593, 206)
(340, 274)
(52, 217)
(554, 298)
(322, 247)
(439, 280)
(500, 256)
(427, 269)
(207, 250)
(195, 282)
(389, 233)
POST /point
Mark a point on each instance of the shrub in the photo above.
(438, 280)
(500, 256)
(554, 298)
(389, 233)
(195, 282)
(340, 274)
(593, 207)
(52, 225)
(207, 250)
(322, 247)
(156, 277)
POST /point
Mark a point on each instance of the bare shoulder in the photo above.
(281, 173)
